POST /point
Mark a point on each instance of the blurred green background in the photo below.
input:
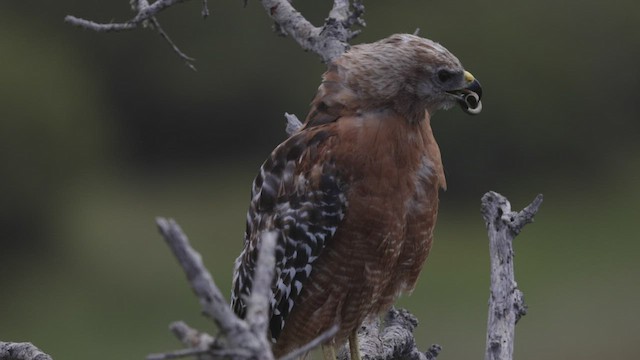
(100, 133)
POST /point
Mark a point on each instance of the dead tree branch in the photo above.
(21, 351)
(146, 18)
(391, 339)
(293, 124)
(328, 41)
(239, 335)
(244, 339)
(211, 299)
(506, 304)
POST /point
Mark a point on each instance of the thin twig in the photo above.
(187, 59)
(145, 14)
(205, 9)
(177, 354)
(90, 25)
(191, 337)
(293, 124)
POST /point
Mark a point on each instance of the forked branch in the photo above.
(145, 17)
(328, 41)
(506, 303)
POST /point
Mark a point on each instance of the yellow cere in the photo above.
(468, 77)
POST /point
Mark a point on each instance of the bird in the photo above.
(352, 195)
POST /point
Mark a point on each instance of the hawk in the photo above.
(353, 194)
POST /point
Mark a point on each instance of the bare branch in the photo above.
(293, 124)
(391, 339)
(258, 303)
(205, 9)
(187, 59)
(145, 12)
(189, 336)
(21, 351)
(506, 304)
(177, 354)
(213, 303)
(244, 339)
(328, 41)
(145, 15)
(88, 24)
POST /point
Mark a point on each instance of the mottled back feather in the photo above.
(298, 194)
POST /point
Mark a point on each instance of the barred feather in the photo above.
(303, 199)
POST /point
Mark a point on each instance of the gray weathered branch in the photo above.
(241, 336)
(391, 339)
(293, 124)
(211, 299)
(21, 351)
(243, 339)
(144, 12)
(328, 41)
(506, 303)
(145, 17)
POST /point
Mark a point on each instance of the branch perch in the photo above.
(391, 339)
(506, 303)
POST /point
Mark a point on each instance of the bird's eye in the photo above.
(445, 75)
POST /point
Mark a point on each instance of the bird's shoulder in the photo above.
(333, 100)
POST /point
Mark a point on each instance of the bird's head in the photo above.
(410, 73)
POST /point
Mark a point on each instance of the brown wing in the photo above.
(299, 194)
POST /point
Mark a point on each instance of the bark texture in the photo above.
(506, 302)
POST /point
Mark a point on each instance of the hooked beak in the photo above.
(469, 97)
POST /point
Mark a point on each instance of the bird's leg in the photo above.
(329, 351)
(354, 346)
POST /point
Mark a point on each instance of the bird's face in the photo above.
(442, 81)
(413, 72)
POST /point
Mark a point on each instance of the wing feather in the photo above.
(298, 193)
